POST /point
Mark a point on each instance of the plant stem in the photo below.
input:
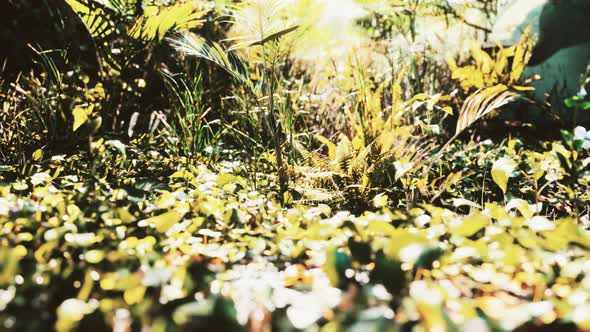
(272, 123)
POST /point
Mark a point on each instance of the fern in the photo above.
(362, 160)
(486, 71)
(343, 155)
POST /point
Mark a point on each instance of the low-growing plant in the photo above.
(387, 147)
(192, 132)
(49, 109)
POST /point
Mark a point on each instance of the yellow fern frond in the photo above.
(331, 146)
(343, 154)
(522, 55)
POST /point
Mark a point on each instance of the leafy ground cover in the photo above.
(149, 240)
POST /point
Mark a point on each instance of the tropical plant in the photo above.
(498, 81)
(266, 28)
(48, 110)
(506, 67)
(127, 36)
(123, 28)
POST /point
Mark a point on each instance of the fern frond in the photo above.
(318, 196)
(331, 146)
(343, 154)
(360, 162)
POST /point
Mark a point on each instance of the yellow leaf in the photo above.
(329, 266)
(448, 110)
(87, 286)
(502, 171)
(331, 146)
(37, 155)
(80, 116)
(134, 295)
(165, 221)
(94, 256)
(470, 225)
(380, 227)
(522, 55)
(380, 200)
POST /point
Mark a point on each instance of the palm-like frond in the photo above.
(112, 22)
(483, 102)
(154, 26)
(257, 22)
(191, 44)
(95, 16)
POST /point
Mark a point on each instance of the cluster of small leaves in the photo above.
(553, 175)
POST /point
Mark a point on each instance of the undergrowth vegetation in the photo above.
(282, 165)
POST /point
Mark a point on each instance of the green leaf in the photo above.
(502, 171)
(572, 101)
(275, 36)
